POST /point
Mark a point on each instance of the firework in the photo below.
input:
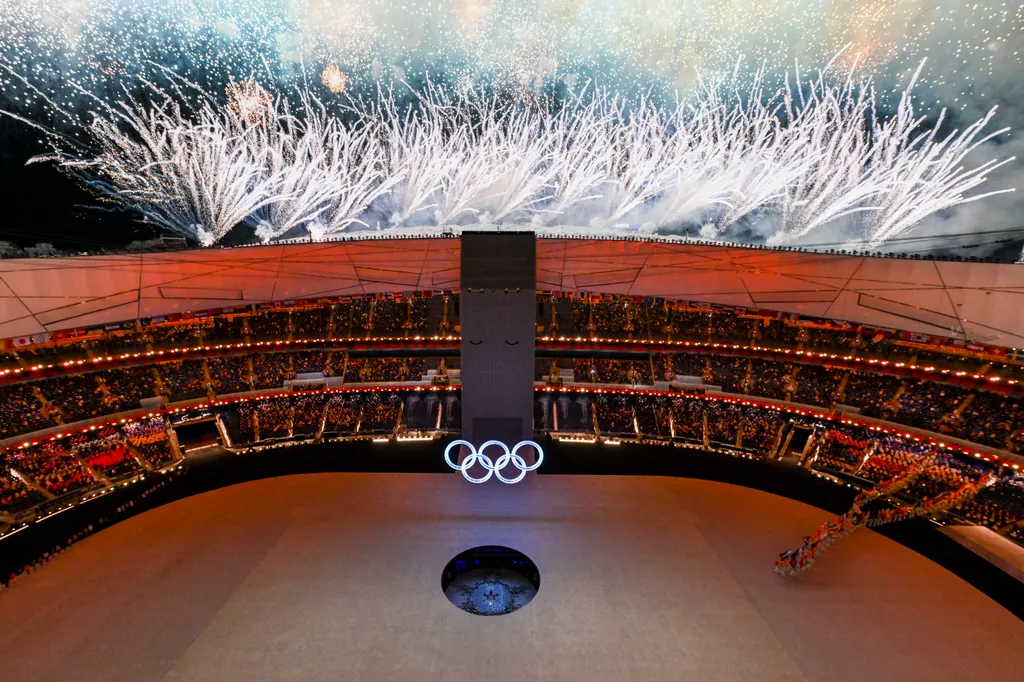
(810, 155)
(334, 79)
(249, 101)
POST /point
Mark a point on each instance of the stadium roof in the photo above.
(972, 301)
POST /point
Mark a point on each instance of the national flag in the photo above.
(40, 338)
(1015, 354)
(919, 338)
(877, 337)
(21, 341)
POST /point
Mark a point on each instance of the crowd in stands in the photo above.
(999, 506)
(761, 429)
(129, 385)
(380, 412)
(390, 316)
(770, 379)
(626, 372)
(269, 324)
(20, 411)
(275, 418)
(247, 429)
(989, 419)
(81, 462)
(419, 316)
(817, 385)
(271, 370)
(310, 323)
(342, 413)
(728, 372)
(53, 468)
(974, 414)
(685, 364)
(15, 496)
(723, 421)
(226, 329)
(149, 437)
(311, 361)
(87, 460)
(230, 374)
(183, 379)
(76, 397)
(106, 453)
(189, 335)
(369, 370)
(308, 414)
(615, 414)
(359, 318)
(688, 419)
(870, 392)
(946, 474)
(926, 403)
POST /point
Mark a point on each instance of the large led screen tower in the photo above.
(498, 316)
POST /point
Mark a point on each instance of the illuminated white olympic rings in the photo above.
(509, 457)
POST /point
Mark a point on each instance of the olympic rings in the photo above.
(508, 457)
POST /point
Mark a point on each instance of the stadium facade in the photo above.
(965, 301)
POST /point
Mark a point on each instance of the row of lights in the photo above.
(763, 349)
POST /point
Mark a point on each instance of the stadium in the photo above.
(503, 379)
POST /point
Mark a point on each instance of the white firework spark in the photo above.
(810, 154)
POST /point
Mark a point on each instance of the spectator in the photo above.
(817, 384)
(271, 370)
(269, 325)
(615, 414)
(149, 437)
(230, 374)
(310, 323)
(183, 380)
(925, 404)
(76, 396)
(20, 411)
(308, 414)
(129, 385)
(723, 421)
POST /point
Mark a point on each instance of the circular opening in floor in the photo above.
(490, 580)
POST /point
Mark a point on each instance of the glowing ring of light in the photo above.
(493, 468)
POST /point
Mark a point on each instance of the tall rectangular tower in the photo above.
(498, 316)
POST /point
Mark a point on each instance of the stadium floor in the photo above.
(336, 576)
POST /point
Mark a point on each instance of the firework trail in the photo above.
(809, 155)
